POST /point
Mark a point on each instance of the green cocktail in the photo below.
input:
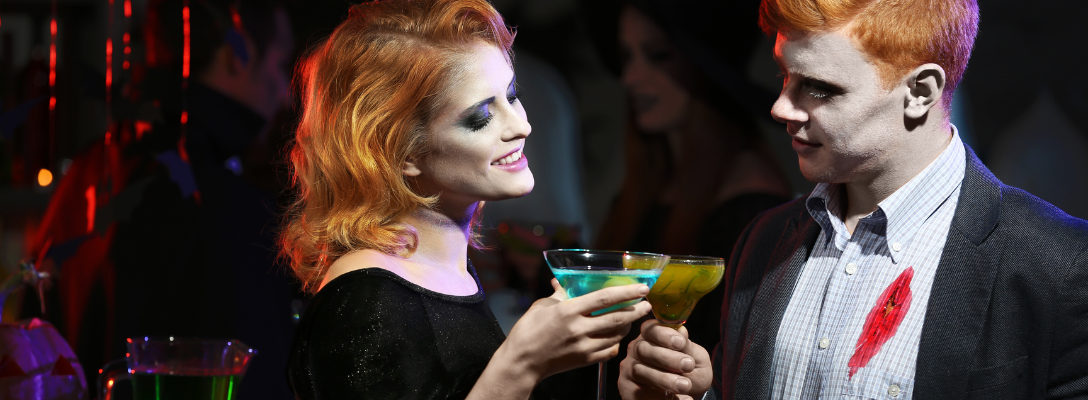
(184, 387)
(685, 280)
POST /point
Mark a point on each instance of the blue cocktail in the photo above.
(584, 271)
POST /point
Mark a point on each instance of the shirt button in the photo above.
(893, 390)
(851, 268)
(896, 246)
(824, 343)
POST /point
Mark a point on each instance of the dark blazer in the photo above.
(1007, 317)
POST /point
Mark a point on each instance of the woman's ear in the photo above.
(410, 168)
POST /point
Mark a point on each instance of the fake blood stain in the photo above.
(883, 320)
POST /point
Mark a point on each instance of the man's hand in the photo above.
(664, 360)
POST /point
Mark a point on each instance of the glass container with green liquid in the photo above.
(179, 369)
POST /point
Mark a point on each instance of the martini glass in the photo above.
(584, 271)
(684, 281)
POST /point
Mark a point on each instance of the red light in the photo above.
(126, 36)
(52, 52)
(90, 195)
(503, 228)
(237, 19)
(128, 10)
(125, 64)
(185, 47)
(184, 117)
(109, 135)
(52, 103)
(109, 65)
(141, 128)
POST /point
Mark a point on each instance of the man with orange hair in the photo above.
(910, 271)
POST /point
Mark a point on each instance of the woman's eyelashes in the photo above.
(479, 118)
(512, 93)
(482, 115)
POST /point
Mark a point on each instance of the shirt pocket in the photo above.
(877, 384)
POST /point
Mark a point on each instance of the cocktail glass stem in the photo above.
(602, 377)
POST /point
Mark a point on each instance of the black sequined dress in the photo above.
(370, 334)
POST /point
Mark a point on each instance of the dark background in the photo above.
(1021, 105)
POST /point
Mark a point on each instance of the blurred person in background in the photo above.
(697, 169)
(200, 260)
(180, 237)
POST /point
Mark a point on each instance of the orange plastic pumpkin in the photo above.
(37, 364)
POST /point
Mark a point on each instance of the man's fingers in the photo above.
(662, 358)
(607, 297)
(660, 380)
(664, 336)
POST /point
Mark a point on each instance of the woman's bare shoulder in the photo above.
(362, 259)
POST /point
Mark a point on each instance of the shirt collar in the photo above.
(906, 209)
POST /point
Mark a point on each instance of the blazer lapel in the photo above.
(769, 305)
(962, 288)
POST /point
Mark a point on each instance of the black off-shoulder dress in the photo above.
(370, 334)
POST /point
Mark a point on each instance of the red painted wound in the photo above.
(883, 320)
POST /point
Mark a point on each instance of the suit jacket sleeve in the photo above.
(1069, 356)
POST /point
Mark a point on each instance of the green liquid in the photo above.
(184, 387)
(578, 282)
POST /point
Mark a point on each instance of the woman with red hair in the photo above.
(410, 122)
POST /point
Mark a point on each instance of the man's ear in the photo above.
(410, 168)
(926, 86)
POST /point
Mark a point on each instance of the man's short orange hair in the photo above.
(897, 35)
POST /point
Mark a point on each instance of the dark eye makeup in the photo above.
(479, 115)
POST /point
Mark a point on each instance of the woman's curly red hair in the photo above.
(367, 94)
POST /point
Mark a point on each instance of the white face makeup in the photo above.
(843, 122)
(475, 142)
(659, 102)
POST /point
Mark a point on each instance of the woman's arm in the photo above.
(556, 335)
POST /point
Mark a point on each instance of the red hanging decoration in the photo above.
(52, 82)
(883, 320)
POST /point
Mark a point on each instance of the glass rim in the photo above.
(575, 251)
(690, 259)
(185, 340)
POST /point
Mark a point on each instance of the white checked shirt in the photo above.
(846, 274)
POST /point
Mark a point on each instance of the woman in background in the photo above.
(697, 169)
(410, 122)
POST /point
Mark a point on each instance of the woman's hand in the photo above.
(558, 334)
